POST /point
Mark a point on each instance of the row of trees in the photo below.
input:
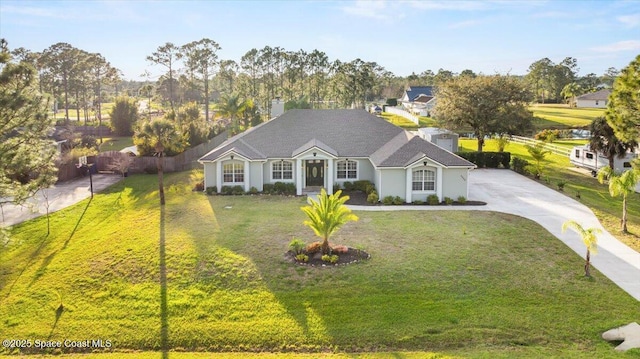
(553, 82)
(73, 77)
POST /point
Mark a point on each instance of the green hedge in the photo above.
(487, 159)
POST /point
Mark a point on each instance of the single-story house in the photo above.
(441, 137)
(320, 148)
(598, 99)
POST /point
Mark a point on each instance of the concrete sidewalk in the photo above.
(508, 192)
(61, 195)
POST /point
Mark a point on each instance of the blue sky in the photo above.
(403, 36)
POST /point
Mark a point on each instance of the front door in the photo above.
(315, 173)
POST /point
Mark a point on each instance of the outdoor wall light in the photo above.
(232, 157)
(314, 154)
(424, 163)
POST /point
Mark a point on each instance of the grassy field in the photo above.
(115, 143)
(593, 194)
(407, 124)
(208, 274)
(562, 116)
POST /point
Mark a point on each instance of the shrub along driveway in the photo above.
(508, 192)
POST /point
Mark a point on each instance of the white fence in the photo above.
(403, 113)
(559, 150)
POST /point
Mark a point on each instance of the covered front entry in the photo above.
(314, 173)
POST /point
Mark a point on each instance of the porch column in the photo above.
(408, 185)
(247, 176)
(219, 176)
(299, 171)
(439, 183)
(329, 175)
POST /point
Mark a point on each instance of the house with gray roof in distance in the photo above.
(320, 148)
(419, 100)
(598, 99)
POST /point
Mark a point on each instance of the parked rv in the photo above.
(584, 157)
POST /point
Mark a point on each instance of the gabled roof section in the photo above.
(339, 133)
(414, 91)
(311, 144)
(598, 95)
(352, 133)
(422, 98)
(416, 148)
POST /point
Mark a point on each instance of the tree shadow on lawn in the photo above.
(164, 320)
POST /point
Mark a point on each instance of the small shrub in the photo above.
(397, 200)
(364, 186)
(296, 245)
(561, 184)
(237, 190)
(226, 190)
(388, 200)
(373, 197)
(348, 186)
(282, 188)
(433, 199)
(314, 247)
(212, 190)
(330, 258)
(268, 188)
(462, 200)
(253, 190)
(519, 165)
(301, 257)
(448, 200)
(199, 186)
(418, 202)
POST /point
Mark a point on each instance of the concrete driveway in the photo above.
(508, 192)
(61, 195)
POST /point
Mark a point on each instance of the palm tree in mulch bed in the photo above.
(327, 215)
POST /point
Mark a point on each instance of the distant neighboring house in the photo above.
(598, 99)
(321, 148)
(419, 100)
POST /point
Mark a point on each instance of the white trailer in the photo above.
(584, 157)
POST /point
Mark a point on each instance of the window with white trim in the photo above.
(347, 169)
(423, 180)
(233, 172)
(282, 170)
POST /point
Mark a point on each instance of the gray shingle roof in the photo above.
(414, 91)
(598, 95)
(342, 133)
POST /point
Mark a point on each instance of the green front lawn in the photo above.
(115, 143)
(593, 194)
(562, 116)
(212, 270)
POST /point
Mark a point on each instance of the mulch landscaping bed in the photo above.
(359, 198)
(315, 260)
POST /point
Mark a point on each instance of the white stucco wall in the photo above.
(455, 183)
(392, 183)
(209, 175)
(255, 175)
(591, 103)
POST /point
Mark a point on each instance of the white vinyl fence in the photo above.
(403, 113)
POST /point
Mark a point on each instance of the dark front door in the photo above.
(315, 173)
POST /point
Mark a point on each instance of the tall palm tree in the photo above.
(589, 239)
(159, 134)
(327, 215)
(604, 140)
(233, 108)
(620, 185)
